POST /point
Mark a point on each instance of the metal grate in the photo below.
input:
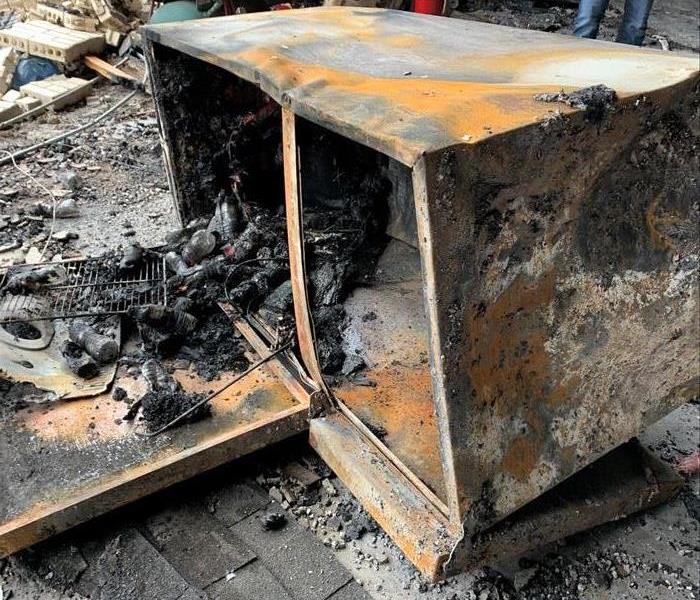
(89, 288)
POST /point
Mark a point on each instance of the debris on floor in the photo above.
(47, 50)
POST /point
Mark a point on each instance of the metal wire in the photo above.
(86, 292)
(207, 398)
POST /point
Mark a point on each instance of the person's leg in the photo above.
(634, 22)
(590, 13)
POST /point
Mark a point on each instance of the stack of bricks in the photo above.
(64, 32)
(37, 93)
(40, 38)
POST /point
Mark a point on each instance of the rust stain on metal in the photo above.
(400, 404)
(86, 421)
(485, 109)
(521, 458)
(509, 362)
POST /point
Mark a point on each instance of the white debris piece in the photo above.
(11, 96)
(108, 16)
(54, 42)
(27, 103)
(8, 110)
(48, 89)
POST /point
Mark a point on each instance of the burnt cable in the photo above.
(207, 398)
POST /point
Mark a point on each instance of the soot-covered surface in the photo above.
(226, 143)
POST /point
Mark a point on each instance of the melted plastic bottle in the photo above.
(200, 245)
(102, 348)
(226, 219)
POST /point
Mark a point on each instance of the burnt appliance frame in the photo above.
(514, 419)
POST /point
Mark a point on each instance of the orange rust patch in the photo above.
(509, 364)
(521, 458)
(401, 403)
(85, 420)
(81, 420)
(467, 110)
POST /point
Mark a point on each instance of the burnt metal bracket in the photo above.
(297, 265)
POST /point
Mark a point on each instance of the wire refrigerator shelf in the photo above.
(80, 288)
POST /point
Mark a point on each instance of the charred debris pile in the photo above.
(237, 254)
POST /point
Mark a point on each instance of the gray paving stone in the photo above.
(307, 568)
(193, 594)
(252, 582)
(263, 542)
(351, 591)
(199, 546)
(295, 557)
(130, 568)
(235, 502)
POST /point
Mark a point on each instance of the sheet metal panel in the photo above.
(407, 84)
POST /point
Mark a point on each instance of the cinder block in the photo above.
(49, 89)
(27, 103)
(109, 17)
(8, 110)
(8, 56)
(8, 62)
(11, 96)
(59, 16)
(54, 42)
(112, 37)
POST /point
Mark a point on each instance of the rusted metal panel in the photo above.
(70, 461)
(422, 532)
(569, 321)
(629, 479)
(393, 80)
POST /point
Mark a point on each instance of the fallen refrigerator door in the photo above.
(68, 461)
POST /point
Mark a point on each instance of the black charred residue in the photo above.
(597, 101)
(644, 210)
(447, 184)
(215, 347)
(161, 406)
(345, 218)
(203, 111)
(488, 219)
(482, 510)
(225, 139)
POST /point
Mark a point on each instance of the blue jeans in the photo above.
(632, 28)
